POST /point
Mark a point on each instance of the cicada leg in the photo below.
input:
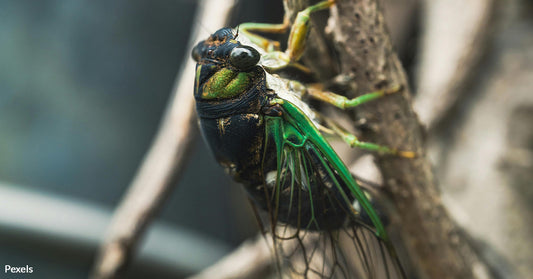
(300, 29)
(316, 92)
(268, 45)
(353, 141)
(276, 59)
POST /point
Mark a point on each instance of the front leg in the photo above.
(275, 59)
(300, 30)
(268, 45)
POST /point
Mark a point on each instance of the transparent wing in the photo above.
(347, 252)
(320, 225)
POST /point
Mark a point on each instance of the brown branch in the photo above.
(434, 242)
(252, 259)
(163, 163)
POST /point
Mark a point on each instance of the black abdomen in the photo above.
(237, 143)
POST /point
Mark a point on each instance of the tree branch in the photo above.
(252, 259)
(163, 163)
(434, 242)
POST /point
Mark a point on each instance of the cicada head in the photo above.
(225, 67)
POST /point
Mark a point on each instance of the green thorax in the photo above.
(225, 83)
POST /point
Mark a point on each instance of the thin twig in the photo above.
(434, 242)
(163, 163)
(252, 259)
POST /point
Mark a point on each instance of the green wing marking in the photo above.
(295, 129)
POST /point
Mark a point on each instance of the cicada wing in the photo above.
(316, 231)
(349, 252)
(307, 246)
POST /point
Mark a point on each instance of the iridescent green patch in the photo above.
(226, 83)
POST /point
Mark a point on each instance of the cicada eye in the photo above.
(196, 53)
(244, 57)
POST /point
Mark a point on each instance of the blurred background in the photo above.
(83, 85)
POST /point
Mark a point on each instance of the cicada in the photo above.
(271, 141)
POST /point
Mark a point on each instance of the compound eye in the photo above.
(196, 53)
(244, 57)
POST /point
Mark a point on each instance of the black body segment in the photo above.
(236, 142)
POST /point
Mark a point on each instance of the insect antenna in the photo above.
(237, 32)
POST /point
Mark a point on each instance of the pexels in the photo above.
(18, 269)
